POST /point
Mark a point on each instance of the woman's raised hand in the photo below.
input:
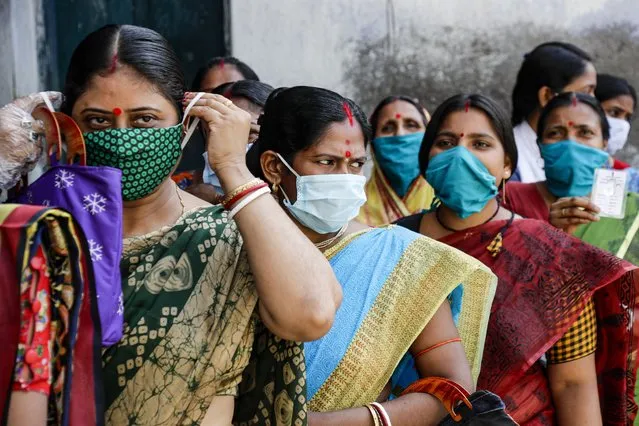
(570, 212)
(228, 129)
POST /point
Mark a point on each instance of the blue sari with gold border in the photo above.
(393, 282)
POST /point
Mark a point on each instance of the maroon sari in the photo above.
(545, 280)
(75, 357)
(526, 200)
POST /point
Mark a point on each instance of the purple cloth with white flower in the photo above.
(93, 195)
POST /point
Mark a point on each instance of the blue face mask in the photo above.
(461, 181)
(398, 157)
(570, 167)
(326, 203)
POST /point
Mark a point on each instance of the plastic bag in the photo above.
(20, 141)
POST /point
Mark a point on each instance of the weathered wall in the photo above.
(429, 49)
(18, 48)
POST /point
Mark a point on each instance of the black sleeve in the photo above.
(411, 222)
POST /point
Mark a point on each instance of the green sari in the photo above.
(190, 320)
(618, 236)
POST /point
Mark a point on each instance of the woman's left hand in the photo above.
(570, 212)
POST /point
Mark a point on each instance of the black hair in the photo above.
(554, 64)
(296, 118)
(255, 91)
(567, 99)
(394, 98)
(142, 49)
(462, 102)
(246, 71)
(610, 86)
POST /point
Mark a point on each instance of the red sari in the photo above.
(526, 200)
(545, 280)
(30, 237)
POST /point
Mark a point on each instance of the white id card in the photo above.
(609, 192)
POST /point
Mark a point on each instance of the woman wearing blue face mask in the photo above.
(396, 189)
(547, 70)
(554, 291)
(395, 283)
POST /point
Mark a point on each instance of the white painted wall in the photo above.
(291, 42)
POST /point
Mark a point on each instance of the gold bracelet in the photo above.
(376, 420)
(253, 182)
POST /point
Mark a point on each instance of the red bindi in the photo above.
(348, 154)
(461, 135)
(570, 123)
(117, 111)
(398, 116)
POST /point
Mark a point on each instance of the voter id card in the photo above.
(609, 192)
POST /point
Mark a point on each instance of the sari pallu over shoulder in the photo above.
(384, 206)
(393, 282)
(545, 280)
(189, 311)
(76, 396)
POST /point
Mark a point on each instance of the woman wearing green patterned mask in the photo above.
(191, 277)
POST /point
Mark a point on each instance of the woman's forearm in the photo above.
(298, 291)
(409, 410)
(574, 392)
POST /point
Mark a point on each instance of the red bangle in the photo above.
(445, 342)
(243, 194)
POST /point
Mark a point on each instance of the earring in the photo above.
(503, 191)
(275, 188)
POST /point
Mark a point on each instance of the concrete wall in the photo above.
(19, 73)
(430, 49)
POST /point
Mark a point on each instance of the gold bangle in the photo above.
(376, 420)
(253, 182)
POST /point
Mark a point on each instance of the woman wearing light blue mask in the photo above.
(396, 188)
(395, 283)
(545, 301)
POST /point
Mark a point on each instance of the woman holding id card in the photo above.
(581, 195)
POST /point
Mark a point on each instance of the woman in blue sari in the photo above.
(395, 283)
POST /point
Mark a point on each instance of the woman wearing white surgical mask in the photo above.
(619, 100)
(249, 95)
(395, 283)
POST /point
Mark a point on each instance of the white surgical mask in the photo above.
(208, 175)
(619, 130)
(325, 203)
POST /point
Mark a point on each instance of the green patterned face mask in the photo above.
(145, 156)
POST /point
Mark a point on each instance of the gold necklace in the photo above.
(326, 243)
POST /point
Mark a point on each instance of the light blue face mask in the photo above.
(398, 157)
(570, 167)
(461, 181)
(326, 203)
(209, 176)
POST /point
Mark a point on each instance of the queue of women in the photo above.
(473, 279)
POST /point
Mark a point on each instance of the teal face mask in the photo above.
(570, 167)
(461, 181)
(398, 157)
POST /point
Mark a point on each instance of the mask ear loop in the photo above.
(292, 171)
(195, 122)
